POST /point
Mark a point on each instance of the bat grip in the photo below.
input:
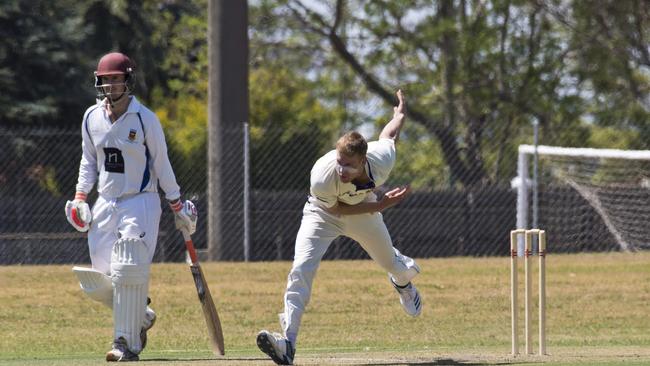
(190, 246)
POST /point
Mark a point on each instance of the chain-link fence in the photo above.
(441, 218)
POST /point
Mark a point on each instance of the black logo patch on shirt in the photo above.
(354, 193)
(132, 135)
(114, 161)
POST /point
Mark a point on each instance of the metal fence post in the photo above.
(247, 184)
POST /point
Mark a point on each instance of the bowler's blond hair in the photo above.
(352, 143)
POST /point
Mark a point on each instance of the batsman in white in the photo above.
(342, 202)
(125, 153)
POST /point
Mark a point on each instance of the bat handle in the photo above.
(190, 246)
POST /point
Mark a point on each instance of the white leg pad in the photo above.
(95, 284)
(130, 276)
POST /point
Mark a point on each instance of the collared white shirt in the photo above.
(326, 186)
(125, 157)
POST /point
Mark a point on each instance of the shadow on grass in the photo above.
(439, 362)
(172, 360)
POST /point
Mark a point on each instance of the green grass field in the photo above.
(598, 313)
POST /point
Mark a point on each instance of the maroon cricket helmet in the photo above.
(114, 63)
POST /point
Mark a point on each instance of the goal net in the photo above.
(588, 199)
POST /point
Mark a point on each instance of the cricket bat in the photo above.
(209, 310)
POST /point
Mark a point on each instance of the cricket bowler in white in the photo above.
(342, 202)
(124, 152)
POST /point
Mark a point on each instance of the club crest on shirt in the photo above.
(132, 135)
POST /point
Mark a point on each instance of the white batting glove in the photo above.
(78, 213)
(185, 215)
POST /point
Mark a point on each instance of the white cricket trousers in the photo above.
(136, 216)
(317, 231)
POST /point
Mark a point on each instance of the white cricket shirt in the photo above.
(125, 157)
(326, 186)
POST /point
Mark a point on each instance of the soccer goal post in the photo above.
(589, 199)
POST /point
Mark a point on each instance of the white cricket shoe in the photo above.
(409, 297)
(276, 346)
(149, 321)
(120, 352)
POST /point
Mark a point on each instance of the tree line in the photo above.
(476, 74)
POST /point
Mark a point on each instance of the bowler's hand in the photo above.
(398, 112)
(394, 196)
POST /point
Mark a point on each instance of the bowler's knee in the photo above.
(302, 275)
(299, 283)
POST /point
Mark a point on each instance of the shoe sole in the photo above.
(412, 315)
(266, 346)
(114, 358)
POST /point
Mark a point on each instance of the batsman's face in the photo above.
(114, 85)
(349, 167)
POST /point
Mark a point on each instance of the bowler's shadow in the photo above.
(217, 359)
(438, 362)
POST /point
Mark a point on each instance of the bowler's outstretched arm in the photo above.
(392, 129)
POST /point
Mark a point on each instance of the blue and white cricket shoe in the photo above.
(276, 346)
(409, 297)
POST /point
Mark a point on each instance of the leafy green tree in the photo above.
(149, 32)
(50, 50)
(476, 74)
(290, 125)
(290, 128)
(41, 63)
(612, 61)
(184, 122)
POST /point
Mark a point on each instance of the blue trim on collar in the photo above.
(86, 124)
(369, 185)
(369, 171)
(146, 176)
